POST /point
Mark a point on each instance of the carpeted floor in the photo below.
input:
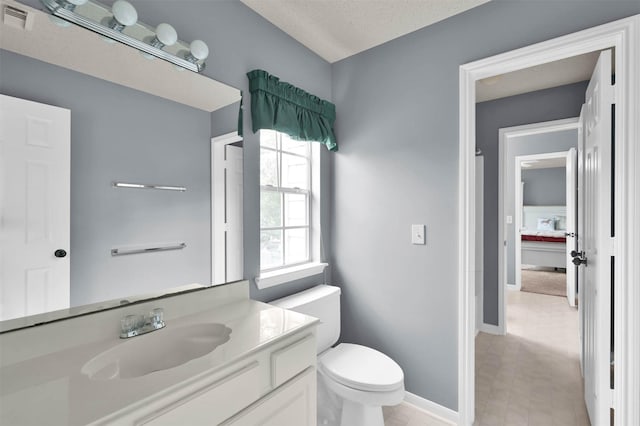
(544, 281)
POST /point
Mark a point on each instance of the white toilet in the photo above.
(361, 379)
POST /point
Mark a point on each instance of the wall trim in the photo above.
(624, 36)
(431, 408)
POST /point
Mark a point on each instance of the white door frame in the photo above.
(624, 36)
(517, 217)
(505, 137)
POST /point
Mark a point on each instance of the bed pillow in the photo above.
(546, 224)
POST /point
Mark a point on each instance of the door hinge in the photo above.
(612, 246)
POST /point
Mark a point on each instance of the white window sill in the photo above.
(273, 278)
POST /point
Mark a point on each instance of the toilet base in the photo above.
(354, 413)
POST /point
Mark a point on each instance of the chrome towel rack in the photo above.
(125, 251)
(148, 186)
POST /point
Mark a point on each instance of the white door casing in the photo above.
(34, 207)
(570, 232)
(479, 240)
(580, 234)
(597, 240)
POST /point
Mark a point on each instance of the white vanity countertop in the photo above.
(52, 386)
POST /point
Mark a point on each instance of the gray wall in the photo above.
(239, 41)
(523, 145)
(545, 187)
(126, 135)
(398, 164)
(535, 107)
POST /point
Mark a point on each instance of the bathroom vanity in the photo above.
(78, 371)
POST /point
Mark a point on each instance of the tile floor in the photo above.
(407, 415)
(531, 376)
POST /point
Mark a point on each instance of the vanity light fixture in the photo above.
(124, 15)
(120, 23)
(166, 35)
(199, 51)
(71, 4)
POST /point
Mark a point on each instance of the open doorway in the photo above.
(615, 213)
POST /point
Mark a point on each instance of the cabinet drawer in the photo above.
(212, 403)
(292, 359)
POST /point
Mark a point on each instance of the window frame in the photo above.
(283, 191)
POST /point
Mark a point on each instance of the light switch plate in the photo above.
(418, 234)
(509, 220)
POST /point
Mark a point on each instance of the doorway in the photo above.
(620, 35)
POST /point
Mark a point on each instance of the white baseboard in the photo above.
(492, 329)
(431, 408)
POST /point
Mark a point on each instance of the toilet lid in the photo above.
(362, 368)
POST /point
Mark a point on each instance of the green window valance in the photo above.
(280, 106)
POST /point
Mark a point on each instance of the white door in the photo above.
(226, 198)
(597, 243)
(234, 215)
(572, 177)
(34, 207)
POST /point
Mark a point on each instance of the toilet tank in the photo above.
(322, 302)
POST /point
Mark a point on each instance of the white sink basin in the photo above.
(159, 350)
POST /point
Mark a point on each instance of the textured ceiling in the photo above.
(337, 29)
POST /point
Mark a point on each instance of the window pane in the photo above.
(270, 249)
(295, 209)
(295, 172)
(297, 245)
(268, 167)
(296, 147)
(268, 138)
(270, 209)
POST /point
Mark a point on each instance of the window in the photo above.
(285, 201)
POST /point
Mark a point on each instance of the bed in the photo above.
(543, 236)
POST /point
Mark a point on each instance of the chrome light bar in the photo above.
(57, 9)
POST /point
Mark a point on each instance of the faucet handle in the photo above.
(129, 323)
(156, 316)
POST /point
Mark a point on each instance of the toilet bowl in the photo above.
(363, 379)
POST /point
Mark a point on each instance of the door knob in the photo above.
(60, 253)
(576, 253)
(579, 261)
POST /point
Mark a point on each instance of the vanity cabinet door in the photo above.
(294, 403)
(213, 403)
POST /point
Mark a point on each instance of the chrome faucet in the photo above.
(135, 325)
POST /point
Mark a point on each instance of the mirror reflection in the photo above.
(70, 236)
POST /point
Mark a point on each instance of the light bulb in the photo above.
(165, 36)
(199, 51)
(124, 15)
(71, 4)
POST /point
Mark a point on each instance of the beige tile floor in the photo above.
(407, 415)
(531, 376)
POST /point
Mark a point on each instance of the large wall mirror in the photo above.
(123, 242)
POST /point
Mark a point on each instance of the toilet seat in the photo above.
(362, 368)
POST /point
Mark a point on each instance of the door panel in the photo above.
(597, 226)
(34, 207)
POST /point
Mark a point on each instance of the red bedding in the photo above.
(544, 238)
